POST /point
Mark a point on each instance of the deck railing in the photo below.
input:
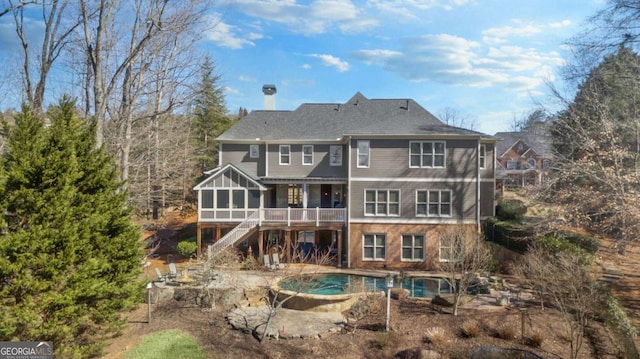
(303, 215)
(277, 215)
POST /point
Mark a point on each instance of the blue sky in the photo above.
(490, 60)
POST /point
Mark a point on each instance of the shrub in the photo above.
(435, 335)
(251, 263)
(187, 248)
(470, 328)
(588, 243)
(536, 339)
(506, 332)
(386, 340)
(511, 210)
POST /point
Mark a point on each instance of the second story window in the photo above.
(427, 154)
(433, 203)
(483, 156)
(285, 154)
(363, 154)
(254, 151)
(307, 154)
(382, 203)
(335, 155)
(512, 164)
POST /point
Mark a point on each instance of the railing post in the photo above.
(289, 216)
(317, 217)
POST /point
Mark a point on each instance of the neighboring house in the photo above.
(522, 158)
(374, 181)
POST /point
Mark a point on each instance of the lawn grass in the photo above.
(169, 344)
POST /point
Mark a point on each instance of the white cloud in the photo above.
(315, 17)
(409, 7)
(522, 30)
(329, 60)
(230, 36)
(247, 78)
(560, 24)
(306, 66)
(231, 91)
(454, 60)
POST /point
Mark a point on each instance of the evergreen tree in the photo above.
(70, 254)
(595, 141)
(210, 114)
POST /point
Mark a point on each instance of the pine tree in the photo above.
(210, 115)
(70, 254)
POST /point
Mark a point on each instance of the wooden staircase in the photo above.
(238, 233)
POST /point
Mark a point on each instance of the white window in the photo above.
(483, 156)
(363, 154)
(382, 202)
(433, 203)
(446, 249)
(412, 247)
(335, 155)
(307, 154)
(374, 246)
(512, 164)
(285, 154)
(254, 151)
(426, 154)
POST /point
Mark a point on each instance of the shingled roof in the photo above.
(331, 121)
(538, 142)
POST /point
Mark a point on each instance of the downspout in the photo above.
(219, 154)
(478, 182)
(348, 236)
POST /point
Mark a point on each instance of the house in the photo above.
(522, 158)
(372, 180)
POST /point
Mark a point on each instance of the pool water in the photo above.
(341, 283)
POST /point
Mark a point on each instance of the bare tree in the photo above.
(59, 24)
(463, 256)
(565, 279)
(454, 117)
(597, 152)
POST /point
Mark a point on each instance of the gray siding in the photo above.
(238, 154)
(463, 199)
(319, 168)
(390, 158)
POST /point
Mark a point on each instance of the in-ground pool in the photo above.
(337, 284)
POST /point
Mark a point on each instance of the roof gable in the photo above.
(232, 176)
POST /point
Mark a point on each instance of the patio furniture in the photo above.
(276, 261)
(267, 263)
(173, 271)
(161, 277)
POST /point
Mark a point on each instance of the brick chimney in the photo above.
(269, 99)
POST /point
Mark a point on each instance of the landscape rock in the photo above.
(286, 324)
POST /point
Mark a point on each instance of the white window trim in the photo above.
(304, 155)
(376, 214)
(368, 154)
(254, 151)
(483, 156)
(375, 236)
(439, 215)
(440, 253)
(338, 160)
(424, 245)
(444, 154)
(280, 155)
